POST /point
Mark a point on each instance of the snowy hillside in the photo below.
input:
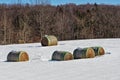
(39, 67)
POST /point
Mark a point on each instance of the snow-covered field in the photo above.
(39, 67)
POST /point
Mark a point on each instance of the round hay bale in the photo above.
(80, 53)
(49, 40)
(98, 50)
(17, 56)
(21, 41)
(62, 56)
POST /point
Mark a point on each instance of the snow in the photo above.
(40, 67)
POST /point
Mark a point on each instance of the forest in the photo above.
(67, 22)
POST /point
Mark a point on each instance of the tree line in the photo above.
(67, 22)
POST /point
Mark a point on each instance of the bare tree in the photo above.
(5, 26)
(19, 1)
(43, 2)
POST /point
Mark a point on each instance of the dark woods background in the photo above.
(66, 22)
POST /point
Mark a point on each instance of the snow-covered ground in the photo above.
(39, 67)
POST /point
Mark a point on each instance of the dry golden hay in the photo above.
(17, 56)
(21, 41)
(62, 56)
(49, 40)
(80, 53)
(98, 50)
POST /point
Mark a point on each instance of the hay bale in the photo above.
(80, 53)
(17, 56)
(62, 56)
(49, 40)
(98, 51)
(21, 41)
